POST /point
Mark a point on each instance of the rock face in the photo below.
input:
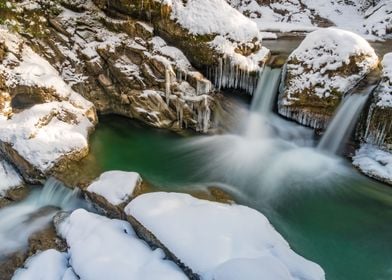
(213, 35)
(327, 64)
(374, 157)
(43, 122)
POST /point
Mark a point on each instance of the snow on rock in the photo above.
(327, 64)
(233, 242)
(46, 265)
(46, 132)
(101, 248)
(41, 119)
(204, 17)
(116, 187)
(374, 162)
(9, 178)
(378, 19)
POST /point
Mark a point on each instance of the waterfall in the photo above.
(343, 122)
(266, 89)
(19, 221)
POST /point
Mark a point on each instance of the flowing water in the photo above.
(327, 211)
(343, 123)
(19, 221)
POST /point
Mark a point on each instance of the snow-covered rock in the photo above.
(377, 129)
(328, 63)
(374, 162)
(116, 187)
(9, 178)
(101, 248)
(47, 265)
(43, 122)
(220, 241)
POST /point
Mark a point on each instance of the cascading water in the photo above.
(19, 221)
(344, 121)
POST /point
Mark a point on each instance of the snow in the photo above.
(385, 89)
(204, 17)
(374, 162)
(46, 265)
(116, 186)
(101, 248)
(323, 51)
(231, 239)
(41, 134)
(372, 22)
(9, 178)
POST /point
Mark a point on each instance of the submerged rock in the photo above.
(230, 239)
(327, 64)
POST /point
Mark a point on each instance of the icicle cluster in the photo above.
(229, 75)
(376, 136)
(303, 117)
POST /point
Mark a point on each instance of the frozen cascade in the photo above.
(229, 75)
(343, 122)
(377, 136)
(19, 221)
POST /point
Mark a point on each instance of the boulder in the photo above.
(327, 64)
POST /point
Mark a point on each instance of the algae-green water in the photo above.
(343, 223)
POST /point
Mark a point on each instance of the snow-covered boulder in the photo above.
(113, 190)
(211, 33)
(219, 241)
(328, 63)
(101, 248)
(43, 122)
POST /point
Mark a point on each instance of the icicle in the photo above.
(167, 85)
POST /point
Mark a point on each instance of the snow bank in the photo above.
(318, 59)
(46, 265)
(204, 17)
(46, 132)
(374, 162)
(385, 88)
(101, 248)
(116, 186)
(9, 178)
(360, 17)
(220, 241)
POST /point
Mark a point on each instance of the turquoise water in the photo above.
(342, 221)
